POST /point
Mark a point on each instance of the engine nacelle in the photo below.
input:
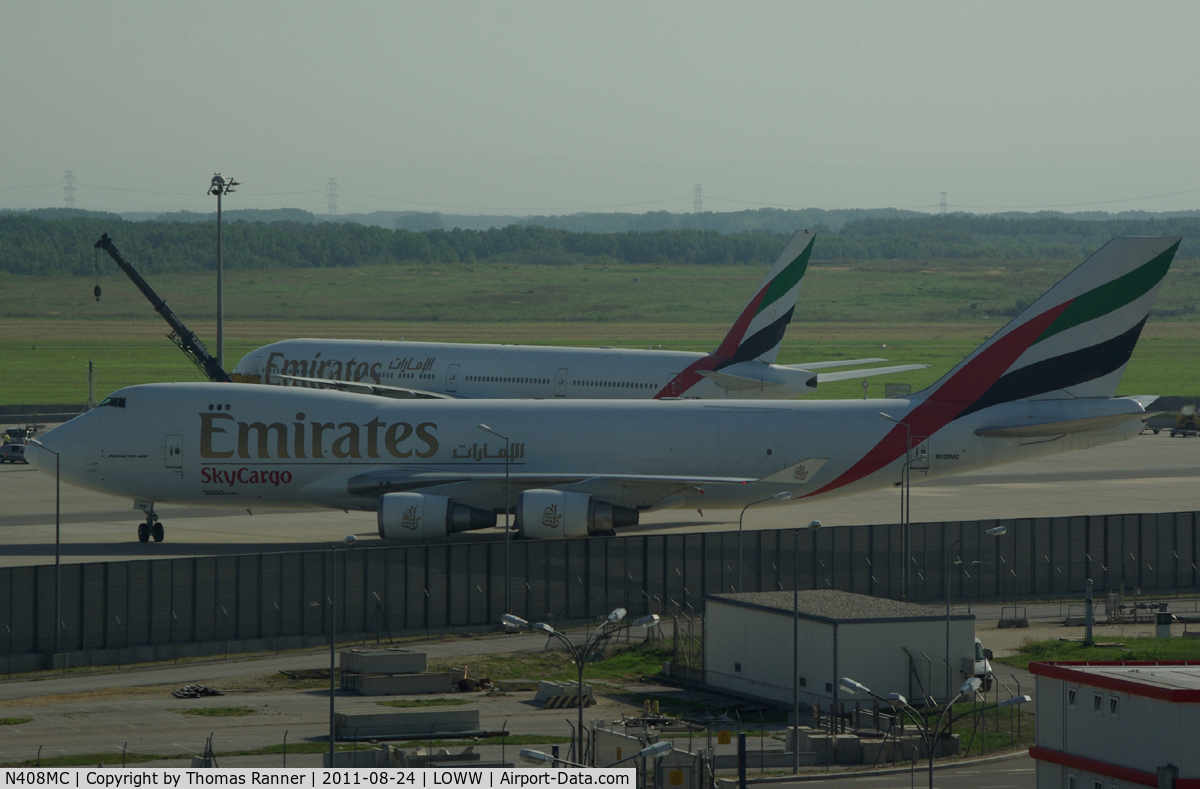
(560, 515)
(423, 517)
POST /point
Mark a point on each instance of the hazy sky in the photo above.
(560, 107)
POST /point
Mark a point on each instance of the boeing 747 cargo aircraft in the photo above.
(1043, 384)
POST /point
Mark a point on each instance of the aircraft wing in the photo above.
(364, 387)
(393, 480)
(1051, 429)
(824, 378)
(826, 365)
(484, 488)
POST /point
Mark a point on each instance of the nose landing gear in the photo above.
(151, 528)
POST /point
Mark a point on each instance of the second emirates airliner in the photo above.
(742, 367)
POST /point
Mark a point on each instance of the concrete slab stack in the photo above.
(391, 672)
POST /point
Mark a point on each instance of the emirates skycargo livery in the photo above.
(1043, 384)
(743, 367)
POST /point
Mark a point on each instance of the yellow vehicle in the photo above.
(1185, 423)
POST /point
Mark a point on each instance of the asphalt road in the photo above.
(1017, 772)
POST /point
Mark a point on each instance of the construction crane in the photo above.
(180, 334)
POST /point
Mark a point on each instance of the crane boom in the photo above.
(180, 334)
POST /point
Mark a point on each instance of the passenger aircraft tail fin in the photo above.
(1072, 342)
(759, 330)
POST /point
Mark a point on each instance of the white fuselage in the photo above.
(468, 370)
(248, 446)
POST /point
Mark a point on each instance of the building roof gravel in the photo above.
(832, 605)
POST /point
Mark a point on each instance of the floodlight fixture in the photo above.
(853, 686)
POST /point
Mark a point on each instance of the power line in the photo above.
(29, 186)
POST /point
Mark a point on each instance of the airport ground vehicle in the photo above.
(981, 666)
(1185, 423)
(13, 452)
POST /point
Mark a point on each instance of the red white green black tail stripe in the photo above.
(1073, 342)
(758, 331)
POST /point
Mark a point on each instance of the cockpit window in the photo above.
(113, 402)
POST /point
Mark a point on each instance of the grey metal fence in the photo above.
(407, 590)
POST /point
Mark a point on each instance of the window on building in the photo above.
(829, 687)
(1098, 785)
(1071, 694)
(1114, 707)
(737, 667)
(802, 681)
(1072, 781)
(1097, 704)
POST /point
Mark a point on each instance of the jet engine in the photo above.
(559, 515)
(422, 517)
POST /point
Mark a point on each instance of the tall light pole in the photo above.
(813, 526)
(220, 186)
(57, 551)
(905, 497)
(777, 497)
(347, 540)
(580, 653)
(507, 533)
(995, 531)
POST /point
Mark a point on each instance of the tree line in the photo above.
(39, 244)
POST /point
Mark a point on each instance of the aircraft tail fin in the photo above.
(1072, 342)
(759, 330)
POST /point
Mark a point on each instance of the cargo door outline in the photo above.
(673, 385)
(173, 451)
(560, 382)
(452, 378)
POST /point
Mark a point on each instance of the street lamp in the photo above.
(220, 186)
(57, 552)
(777, 497)
(929, 737)
(905, 500)
(580, 653)
(347, 540)
(812, 526)
(654, 751)
(507, 533)
(995, 531)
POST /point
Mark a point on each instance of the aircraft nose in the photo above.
(60, 449)
(39, 456)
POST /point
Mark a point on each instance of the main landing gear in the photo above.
(151, 528)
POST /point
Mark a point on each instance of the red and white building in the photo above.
(1117, 725)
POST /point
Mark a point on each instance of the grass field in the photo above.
(1165, 649)
(932, 312)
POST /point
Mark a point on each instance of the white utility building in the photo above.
(1117, 725)
(889, 646)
